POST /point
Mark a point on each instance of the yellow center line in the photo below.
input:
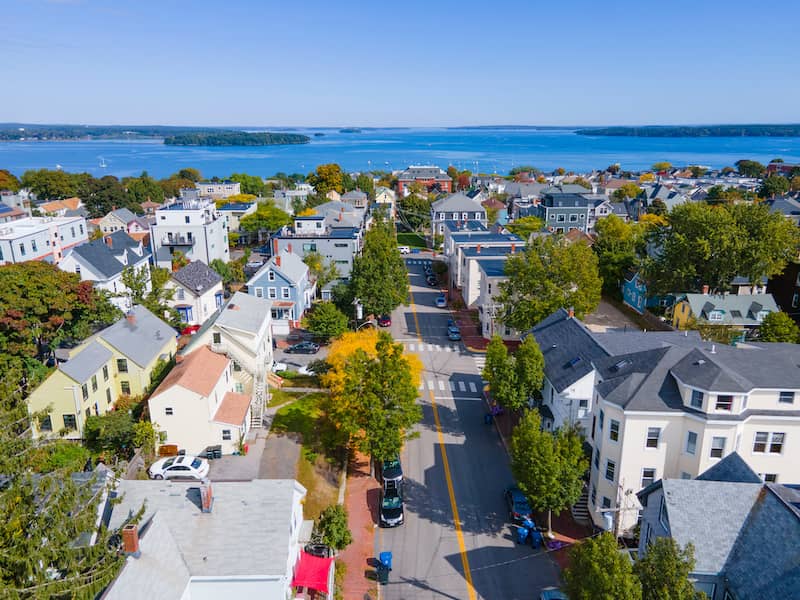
(462, 549)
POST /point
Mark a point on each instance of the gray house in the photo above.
(745, 532)
(456, 207)
(563, 212)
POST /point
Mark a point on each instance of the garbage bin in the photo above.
(217, 451)
(522, 534)
(386, 560)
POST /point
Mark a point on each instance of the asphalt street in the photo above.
(457, 465)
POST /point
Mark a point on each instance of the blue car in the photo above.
(441, 302)
(518, 507)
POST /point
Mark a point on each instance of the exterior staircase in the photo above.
(580, 510)
(258, 403)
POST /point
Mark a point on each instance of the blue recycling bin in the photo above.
(536, 538)
(386, 560)
(522, 534)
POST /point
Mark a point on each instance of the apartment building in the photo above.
(40, 238)
(193, 227)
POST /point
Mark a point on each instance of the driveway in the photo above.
(240, 468)
(607, 318)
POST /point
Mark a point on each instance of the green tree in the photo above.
(111, 432)
(523, 169)
(627, 191)
(190, 174)
(332, 524)
(250, 184)
(598, 571)
(414, 211)
(49, 185)
(365, 183)
(8, 181)
(658, 207)
(325, 320)
(774, 185)
(548, 467)
(664, 571)
(267, 217)
(547, 276)
(326, 178)
(750, 168)
(499, 370)
(223, 269)
(662, 166)
(103, 195)
(697, 171)
(616, 249)
(779, 327)
(324, 271)
(173, 185)
(583, 182)
(529, 367)
(143, 188)
(144, 437)
(148, 288)
(525, 226)
(379, 278)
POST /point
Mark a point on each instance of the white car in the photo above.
(404, 250)
(279, 366)
(179, 466)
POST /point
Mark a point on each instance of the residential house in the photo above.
(562, 212)
(197, 293)
(466, 247)
(673, 409)
(242, 330)
(386, 197)
(782, 168)
(218, 189)
(9, 213)
(116, 220)
(103, 261)
(119, 360)
(149, 208)
(744, 312)
(744, 532)
(334, 196)
(634, 291)
(787, 206)
(40, 238)
(500, 210)
(139, 229)
(235, 211)
(60, 208)
(232, 539)
(21, 200)
(335, 231)
(492, 274)
(471, 273)
(456, 207)
(357, 198)
(285, 280)
(432, 178)
(197, 404)
(193, 227)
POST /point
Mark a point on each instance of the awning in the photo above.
(312, 572)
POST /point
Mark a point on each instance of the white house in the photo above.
(193, 227)
(197, 292)
(236, 539)
(492, 274)
(40, 238)
(218, 189)
(234, 212)
(197, 405)
(387, 198)
(116, 220)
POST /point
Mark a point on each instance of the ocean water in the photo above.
(479, 150)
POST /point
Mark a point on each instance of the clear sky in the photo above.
(427, 63)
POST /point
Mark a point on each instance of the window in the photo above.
(80, 228)
(125, 386)
(770, 478)
(594, 420)
(552, 216)
(85, 391)
(259, 292)
(602, 418)
(218, 299)
(775, 443)
(22, 249)
(786, 398)
(717, 447)
(72, 231)
(168, 411)
(309, 247)
(613, 430)
(685, 475)
(583, 217)
(271, 276)
(795, 300)
(186, 218)
(285, 293)
(181, 294)
(94, 383)
(715, 315)
(648, 476)
(597, 458)
(561, 218)
(340, 245)
(105, 372)
(691, 442)
(122, 365)
(46, 423)
(697, 399)
(594, 496)
(653, 435)
(70, 423)
(226, 434)
(606, 502)
(108, 395)
(33, 245)
(216, 338)
(272, 293)
(573, 218)
(760, 442)
(663, 517)
(724, 402)
(611, 469)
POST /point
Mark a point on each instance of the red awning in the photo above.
(312, 572)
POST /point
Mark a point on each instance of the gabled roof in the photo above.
(292, 268)
(245, 313)
(736, 309)
(86, 363)
(141, 338)
(730, 468)
(233, 409)
(100, 257)
(458, 202)
(198, 372)
(123, 214)
(197, 277)
(568, 348)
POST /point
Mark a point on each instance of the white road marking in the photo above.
(430, 347)
(441, 385)
(452, 386)
(472, 387)
(411, 347)
(460, 398)
(462, 387)
(431, 384)
(448, 349)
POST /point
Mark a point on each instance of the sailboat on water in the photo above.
(103, 164)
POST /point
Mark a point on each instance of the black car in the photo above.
(518, 507)
(391, 513)
(391, 471)
(303, 348)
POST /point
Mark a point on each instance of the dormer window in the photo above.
(761, 315)
(271, 276)
(715, 315)
(725, 403)
(697, 399)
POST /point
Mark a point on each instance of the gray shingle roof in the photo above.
(618, 342)
(124, 215)
(141, 340)
(738, 310)
(492, 267)
(197, 277)
(86, 363)
(730, 468)
(562, 340)
(100, 257)
(245, 313)
(423, 172)
(458, 202)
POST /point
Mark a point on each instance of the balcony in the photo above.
(177, 240)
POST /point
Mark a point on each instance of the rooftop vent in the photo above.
(232, 306)
(574, 361)
(620, 364)
(700, 362)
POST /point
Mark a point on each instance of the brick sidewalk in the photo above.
(361, 501)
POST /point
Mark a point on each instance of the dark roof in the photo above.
(197, 277)
(503, 250)
(730, 468)
(566, 201)
(236, 206)
(464, 225)
(492, 267)
(106, 255)
(563, 340)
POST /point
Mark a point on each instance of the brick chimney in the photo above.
(131, 317)
(705, 290)
(206, 496)
(275, 246)
(571, 312)
(278, 260)
(109, 242)
(130, 540)
(289, 247)
(513, 248)
(478, 249)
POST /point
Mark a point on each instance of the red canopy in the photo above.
(312, 572)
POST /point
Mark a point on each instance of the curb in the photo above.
(497, 428)
(343, 482)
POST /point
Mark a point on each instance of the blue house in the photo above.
(634, 294)
(284, 279)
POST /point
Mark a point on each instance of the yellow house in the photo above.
(119, 360)
(78, 388)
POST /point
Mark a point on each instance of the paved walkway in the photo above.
(240, 468)
(608, 317)
(361, 501)
(279, 458)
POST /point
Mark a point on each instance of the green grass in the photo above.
(278, 397)
(414, 240)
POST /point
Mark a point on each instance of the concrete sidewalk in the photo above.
(361, 501)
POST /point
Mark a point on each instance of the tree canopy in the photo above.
(547, 276)
(774, 185)
(326, 178)
(627, 191)
(779, 327)
(598, 571)
(250, 184)
(513, 379)
(525, 226)
(617, 247)
(8, 181)
(379, 278)
(324, 271)
(415, 211)
(267, 217)
(332, 524)
(750, 168)
(325, 320)
(664, 571)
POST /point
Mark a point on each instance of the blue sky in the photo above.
(427, 63)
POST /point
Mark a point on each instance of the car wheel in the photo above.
(159, 476)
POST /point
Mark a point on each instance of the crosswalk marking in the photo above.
(472, 387)
(430, 384)
(411, 347)
(448, 349)
(430, 347)
(441, 385)
(452, 386)
(462, 387)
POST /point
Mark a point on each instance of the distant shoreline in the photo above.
(668, 131)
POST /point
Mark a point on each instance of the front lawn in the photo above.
(413, 240)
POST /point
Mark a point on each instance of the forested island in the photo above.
(235, 138)
(697, 131)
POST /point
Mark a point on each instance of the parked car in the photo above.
(279, 366)
(404, 250)
(552, 593)
(432, 281)
(385, 321)
(179, 466)
(391, 471)
(303, 348)
(518, 507)
(454, 334)
(391, 513)
(190, 330)
(441, 301)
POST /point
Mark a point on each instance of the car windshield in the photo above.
(521, 506)
(196, 463)
(168, 463)
(391, 502)
(391, 464)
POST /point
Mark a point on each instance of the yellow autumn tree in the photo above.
(307, 212)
